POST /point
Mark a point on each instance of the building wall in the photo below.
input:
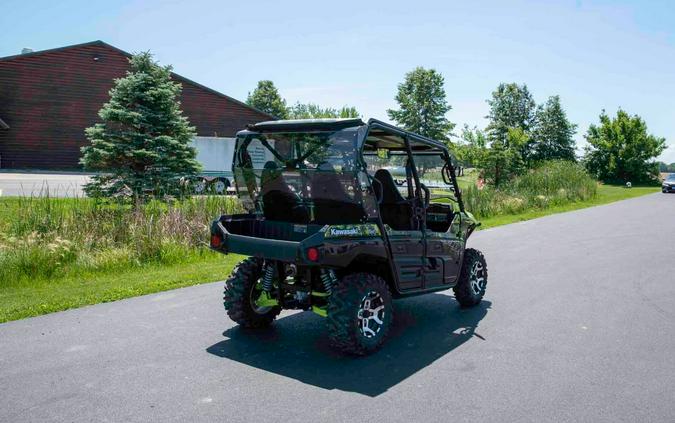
(49, 98)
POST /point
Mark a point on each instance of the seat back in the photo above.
(390, 193)
(332, 204)
(279, 202)
(395, 210)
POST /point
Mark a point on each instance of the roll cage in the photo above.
(373, 135)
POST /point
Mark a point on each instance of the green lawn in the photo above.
(27, 298)
(606, 194)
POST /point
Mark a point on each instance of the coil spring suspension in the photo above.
(268, 277)
(329, 279)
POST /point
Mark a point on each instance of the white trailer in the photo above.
(215, 155)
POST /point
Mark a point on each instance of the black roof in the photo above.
(386, 132)
(421, 141)
(305, 125)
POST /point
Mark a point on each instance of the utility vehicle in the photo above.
(328, 230)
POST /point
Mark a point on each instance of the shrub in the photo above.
(550, 184)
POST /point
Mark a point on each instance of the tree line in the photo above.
(667, 168)
(520, 133)
(266, 98)
(142, 144)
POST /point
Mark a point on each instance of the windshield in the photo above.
(303, 177)
(671, 177)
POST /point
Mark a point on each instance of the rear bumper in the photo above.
(273, 249)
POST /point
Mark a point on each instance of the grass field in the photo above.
(33, 298)
(606, 194)
(125, 267)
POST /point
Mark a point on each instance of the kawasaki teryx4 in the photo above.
(329, 230)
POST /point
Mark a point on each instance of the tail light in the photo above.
(313, 254)
(216, 240)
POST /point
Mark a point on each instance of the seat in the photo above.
(395, 210)
(332, 204)
(279, 202)
(439, 217)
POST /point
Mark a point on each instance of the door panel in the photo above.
(407, 248)
(443, 250)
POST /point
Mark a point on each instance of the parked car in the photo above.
(668, 184)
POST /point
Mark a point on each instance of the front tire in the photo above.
(473, 278)
(360, 313)
(242, 289)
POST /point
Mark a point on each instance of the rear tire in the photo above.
(241, 291)
(473, 278)
(360, 313)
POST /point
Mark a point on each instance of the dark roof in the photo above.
(104, 44)
(305, 125)
(3, 125)
(380, 134)
(379, 126)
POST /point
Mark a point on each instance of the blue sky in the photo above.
(594, 54)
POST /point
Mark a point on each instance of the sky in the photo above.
(594, 54)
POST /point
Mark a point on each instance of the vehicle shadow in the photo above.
(425, 329)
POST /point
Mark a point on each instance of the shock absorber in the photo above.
(268, 277)
(329, 280)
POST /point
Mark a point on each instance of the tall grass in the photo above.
(551, 184)
(42, 237)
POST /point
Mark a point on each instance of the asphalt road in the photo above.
(578, 325)
(38, 184)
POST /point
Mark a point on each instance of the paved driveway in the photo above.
(578, 325)
(56, 184)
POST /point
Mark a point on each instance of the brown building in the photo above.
(48, 98)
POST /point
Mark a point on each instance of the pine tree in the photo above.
(266, 98)
(552, 134)
(422, 102)
(142, 147)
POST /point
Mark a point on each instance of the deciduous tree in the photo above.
(552, 136)
(511, 107)
(504, 160)
(265, 97)
(314, 111)
(423, 105)
(620, 149)
(472, 147)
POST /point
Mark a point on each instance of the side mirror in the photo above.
(383, 153)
